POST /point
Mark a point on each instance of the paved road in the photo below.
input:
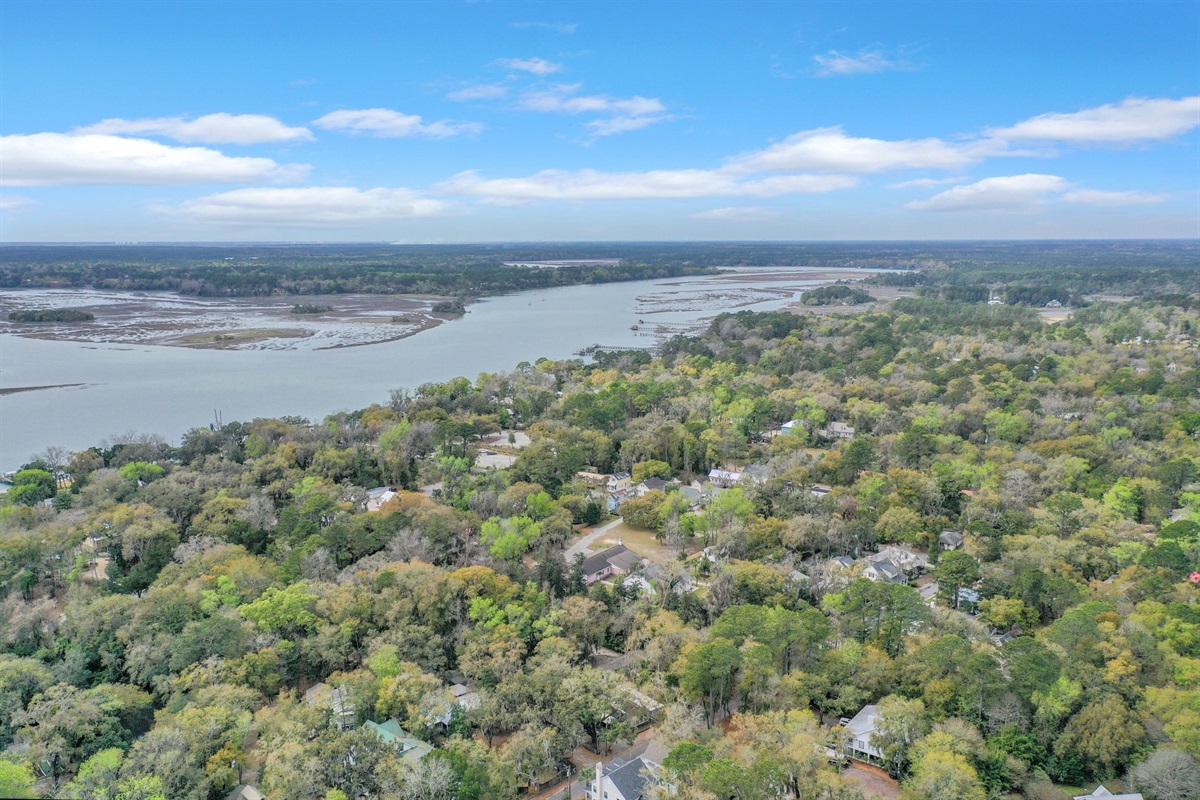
(582, 546)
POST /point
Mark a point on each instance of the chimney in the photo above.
(599, 780)
(620, 541)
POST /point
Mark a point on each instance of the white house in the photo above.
(378, 496)
(883, 571)
(950, 540)
(909, 561)
(837, 430)
(723, 478)
(861, 727)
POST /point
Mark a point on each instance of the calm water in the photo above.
(169, 390)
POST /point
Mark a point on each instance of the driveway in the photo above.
(584, 544)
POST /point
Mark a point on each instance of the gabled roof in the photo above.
(887, 569)
(618, 557)
(655, 483)
(950, 538)
(631, 779)
(862, 723)
(1100, 791)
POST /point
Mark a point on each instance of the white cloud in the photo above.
(219, 128)
(866, 61)
(1012, 193)
(589, 184)
(11, 202)
(316, 205)
(608, 127)
(536, 66)
(736, 214)
(564, 98)
(830, 150)
(384, 122)
(482, 91)
(1132, 120)
(557, 27)
(1096, 197)
(923, 183)
(57, 159)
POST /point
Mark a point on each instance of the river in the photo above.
(169, 390)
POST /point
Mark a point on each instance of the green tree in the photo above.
(710, 674)
(955, 570)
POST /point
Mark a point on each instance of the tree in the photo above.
(943, 775)
(1167, 775)
(16, 780)
(709, 674)
(32, 486)
(955, 571)
(650, 469)
(1105, 733)
(899, 724)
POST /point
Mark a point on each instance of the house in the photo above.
(837, 430)
(343, 712)
(929, 593)
(244, 792)
(950, 540)
(884, 571)
(758, 473)
(1100, 791)
(615, 499)
(909, 561)
(640, 709)
(645, 581)
(592, 478)
(791, 425)
(651, 485)
(819, 490)
(390, 732)
(378, 496)
(693, 495)
(619, 481)
(465, 697)
(631, 780)
(615, 560)
(723, 478)
(840, 562)
(861, 727)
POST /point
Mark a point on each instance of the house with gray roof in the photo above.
(343, 713)
(631, 780)
(1101, 792)
(950, 540)
(884, 571)
(616, 560)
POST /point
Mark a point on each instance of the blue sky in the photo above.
(513, 121)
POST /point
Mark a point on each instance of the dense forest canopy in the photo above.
(165, 608)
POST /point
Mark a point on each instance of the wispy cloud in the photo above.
(11, 202)
(480, 91)
(535, 66)
(861, 63)
(737, 214)
(625, 113)
(386, 123)
(830, 150)
(218, 128)
(565, 98)
(556, 27)
(589, 184)
(923, 183)
(58, 159)
(335, 206)
(1097, 197)
(1012, 193)
(1135, 119)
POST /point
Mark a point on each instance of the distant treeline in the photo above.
(210, 271)
(311, 308)
(52, 315)
(837, 295)
(1070, 272)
